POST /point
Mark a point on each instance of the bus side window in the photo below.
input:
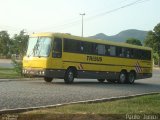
(101, 49)
(135, 54)
(131, 53)
(128, 53)
(57, 48)
(81, 45)
(107, 50)
(87, 48)
(140, 54)
(119, 52)
(112, 51)
(94, 49)
(148, 55)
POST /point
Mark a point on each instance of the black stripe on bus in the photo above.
(102, 64)
(50, 69)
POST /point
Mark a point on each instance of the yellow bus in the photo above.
(64, 56)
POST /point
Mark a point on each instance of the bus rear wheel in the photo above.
(69, 76)
(48, 79)
(101, 80)
(131, 78)
(122, 77)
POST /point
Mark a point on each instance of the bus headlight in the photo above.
(24, 71)
(43, 72)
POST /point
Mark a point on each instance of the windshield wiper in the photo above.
(35, 48)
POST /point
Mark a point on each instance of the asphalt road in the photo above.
(7, 63)
(33, 93)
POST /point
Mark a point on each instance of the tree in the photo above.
(153, 40)
(4, 43)
(19, 43)
(134, 41)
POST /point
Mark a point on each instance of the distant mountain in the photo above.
(123, 36)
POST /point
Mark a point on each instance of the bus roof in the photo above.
(66, 35)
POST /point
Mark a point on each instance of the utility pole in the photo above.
(82, 22)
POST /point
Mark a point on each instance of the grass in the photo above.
(145, 104)
(149, 104)
(6, 73)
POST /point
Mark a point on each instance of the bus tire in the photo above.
(48, 79)
(122, 77)
(101, 80)
(131, 77)
(69, 76)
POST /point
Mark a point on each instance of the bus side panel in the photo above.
(109, 67)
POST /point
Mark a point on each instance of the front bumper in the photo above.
(34, 72)
(52, 73)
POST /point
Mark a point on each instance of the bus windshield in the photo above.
(39, 47)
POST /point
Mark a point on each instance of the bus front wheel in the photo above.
(48, 79)
(69, 76)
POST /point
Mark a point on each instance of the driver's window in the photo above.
(57, 48)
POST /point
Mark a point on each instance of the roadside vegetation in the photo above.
(149, 104)
(7, 73)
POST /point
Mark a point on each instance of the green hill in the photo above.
(123, 36)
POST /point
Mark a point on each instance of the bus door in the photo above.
(57, 53)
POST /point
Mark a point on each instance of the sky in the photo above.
(102, 16)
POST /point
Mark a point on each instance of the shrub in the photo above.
(17, 66)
